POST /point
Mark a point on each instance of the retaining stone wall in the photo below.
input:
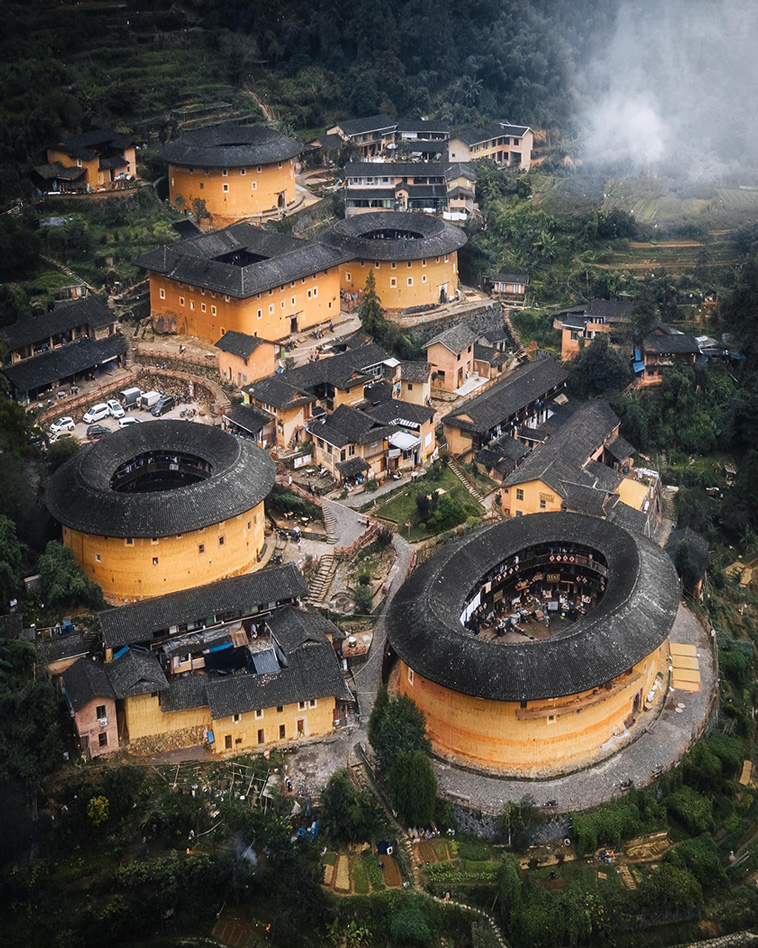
(186, 737)
(480, 318)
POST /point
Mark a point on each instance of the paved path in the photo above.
(343, 523)
(662, 745)
(359, 499)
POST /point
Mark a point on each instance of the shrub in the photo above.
(409, 927)
(364, 600)
(694, 810)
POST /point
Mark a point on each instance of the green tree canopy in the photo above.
(370, 312)
(63, 582)
(401, 729)
(414, 788)
(348, 815)
(11, 555)
(599, 369)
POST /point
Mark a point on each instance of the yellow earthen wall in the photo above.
(491, 735)
(234, 369)
(427, 278)
(460, 443)
(456, 369)
(251, 191)
(316, 300)
(126, 570)
(418, 393)
(534, 492)
(317, 722)
(143, 717)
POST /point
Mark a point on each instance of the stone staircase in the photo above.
(331, 526)
(322, 581)
(465, 478)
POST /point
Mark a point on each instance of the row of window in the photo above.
(225, 171)
(259, 712)
(312, 292)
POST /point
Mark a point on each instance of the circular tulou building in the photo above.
(414, 256)
(239, 171)
(534, 647)
(163, 506)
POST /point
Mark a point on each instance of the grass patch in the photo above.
(474, 849)
(402, 508)
(440, 849)
(329, 859)
(374, 872)
(360, 876)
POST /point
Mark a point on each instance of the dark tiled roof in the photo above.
(275, 390)
(343, 371)
(79, 494)
(86, 680)
(347, 425)
(620, 449)
(567, 451)
(379, 391)
(329, 141)
(472, 136)
(632, 620)
(415, 371)
(432, 237)
(460, 169)
(369, 194)
(136, 672)
(312, 672)
(249, 417)
(372, 123)
(422, 125)
(53, 171)
(668, 341)
(352, 467)
(502, 455)
(92, 312)
(293, 627)
(58, 647)
(456, 338)
(90, 144)
(186, 229)
(239, 595)
(610, 310)
(697, 547)
(509, 278)
(181, 694)
(240, 343)
(403, 414)
(197, 260)
(56, 364)
(490, 355)
(506, 399)
(626, 516)
(231, 146)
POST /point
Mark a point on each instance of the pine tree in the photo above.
(370, 311)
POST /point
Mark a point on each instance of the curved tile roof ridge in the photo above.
(435, 237)
(231, 146)
(79, 493)
(634, 617)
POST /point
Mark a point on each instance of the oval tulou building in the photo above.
(163, 506)
(239, 171)
(414, 256)
(535, 647)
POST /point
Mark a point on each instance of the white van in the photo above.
(148, 399)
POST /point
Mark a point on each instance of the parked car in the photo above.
(98, 431)
(116, 408)
(62, 424)
(96, 413)
(163, 405)
(126, 422)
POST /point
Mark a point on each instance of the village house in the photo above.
(432, 187)
(106, 158)
(243, 278)
(451, 356)
(294, 396)
(73, 341)
(661, 348)
(370, 136)
(415, 380)
(61, 648)
(584, 466)
(250, 421)
(243, 358)
(236, 171)
(490, 362)
(509, 146)
(580, 325)
(236, 665)
(523, 397)
(421, 138)
(509, 287)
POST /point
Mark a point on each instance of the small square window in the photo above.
(225, 172)
(260, 313)
(155, 561)
(280, 708)
(214, 311)
(154, 541)
(543, 505)
(301, 706)
(181, 301)
(202, 186)
(423, 278)
(519, 494)
(255, 185)
(203, 307)
(97, 557)
(129, 541)
(348, 278)
(192, 304)
(312, 703)
(201, 548)
(410, 281)
(100, 711)
(282, 732)
(259, 713)
(243, 170)
(411, 676)
(221, 541)
(409, 264)
(394, 265)
(225, 187)
(261, 736)
(162, 294)
(393, 281)
(236, 718)
(102, 739)
(259, 169)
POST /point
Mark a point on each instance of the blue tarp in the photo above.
(218, 648)
(638, 367)
(120, 652)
